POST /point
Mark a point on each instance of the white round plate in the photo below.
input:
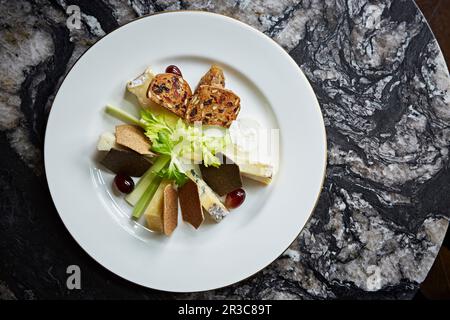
(273, 91)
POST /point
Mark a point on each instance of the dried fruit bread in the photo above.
(214, 77)
(170, 91)
(213, 106)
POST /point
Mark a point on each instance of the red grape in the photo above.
(173, 69)
(124, 183)
(235, 198)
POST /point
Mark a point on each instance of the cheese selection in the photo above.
(156, 146)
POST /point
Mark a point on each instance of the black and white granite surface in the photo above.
(384, 91)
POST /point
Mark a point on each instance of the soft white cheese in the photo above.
(106, 141)
(245, 134)
(139, 86)
(247, 150)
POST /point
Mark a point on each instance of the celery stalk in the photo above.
(146, 180)
(143, 202)
(124, 116)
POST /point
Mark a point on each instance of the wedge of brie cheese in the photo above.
(261, 172)
(255, 170)
(247, 138)
(139, 86)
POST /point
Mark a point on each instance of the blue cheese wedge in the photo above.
(209, 200)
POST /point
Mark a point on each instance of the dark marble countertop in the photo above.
(383, 87)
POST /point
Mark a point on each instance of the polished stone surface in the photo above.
(383, 87)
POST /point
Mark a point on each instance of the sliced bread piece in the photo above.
(170, 91)
(213, 106)
(214, 77)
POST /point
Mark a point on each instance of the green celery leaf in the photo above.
(154, 125)
(163, 144)
(172, 172)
